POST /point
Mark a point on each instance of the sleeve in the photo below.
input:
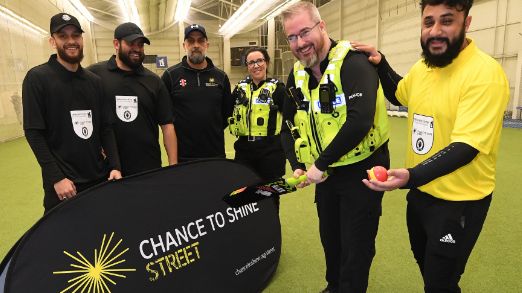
(445, 161)
(108, 140)
(389, 80)
(359, 77)
(51, 172)
(280, 95)
(289, 111)
(228, 103)
(33, 101)
(167, 81)
(164, 114)
(481, 109)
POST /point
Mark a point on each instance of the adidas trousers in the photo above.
(442, 235)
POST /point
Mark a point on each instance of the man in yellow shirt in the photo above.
(456, 96)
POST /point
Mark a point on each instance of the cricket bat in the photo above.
(257, 192)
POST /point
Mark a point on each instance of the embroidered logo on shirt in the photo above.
(211, 82)
(183, 82)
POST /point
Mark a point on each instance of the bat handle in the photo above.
(294, 181)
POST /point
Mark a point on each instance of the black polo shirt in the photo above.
(67, 108)
(140, 102)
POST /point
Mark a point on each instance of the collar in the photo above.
(113, 66)
(185, 64)
(62, 71)
(324, 63)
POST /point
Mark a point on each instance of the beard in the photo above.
(445, 58)
(314, 57)
(196, 57)
(70, 59)
(124, 57)
(310, 62)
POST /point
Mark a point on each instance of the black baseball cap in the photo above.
(195, 27)
(62, 20)
(129, 32)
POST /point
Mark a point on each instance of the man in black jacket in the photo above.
(201, 99)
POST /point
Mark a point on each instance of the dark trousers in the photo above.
(51, 198)
(442, 236)
(265, 156)
(349, 215)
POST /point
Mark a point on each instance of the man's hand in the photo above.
(114, 175)
(315, 175)
(373, 55)
(297, 173)
(397, 178)
(65, 189)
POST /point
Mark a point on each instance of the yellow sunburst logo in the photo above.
(95, 276)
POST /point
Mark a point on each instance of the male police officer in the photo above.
(65, 119)
(141, 103)
(201, 98)
(338, 108)
(456, 96)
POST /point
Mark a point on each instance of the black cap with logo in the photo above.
(195, 27)
(129, 32)
(62, 20)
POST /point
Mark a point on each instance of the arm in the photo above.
(228, 102)
(389, 78)
(170, 142)
(360, 81)
(289, 111)
(108, 139)
(446, 161)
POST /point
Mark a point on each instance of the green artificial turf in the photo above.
(494, 265)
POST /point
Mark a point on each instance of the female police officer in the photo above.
(257, 119)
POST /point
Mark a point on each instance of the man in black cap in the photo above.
(140, 101)
(201, 98)
(65, 119)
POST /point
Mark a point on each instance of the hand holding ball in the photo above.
(378, 173)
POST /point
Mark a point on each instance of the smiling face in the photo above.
(306, 37)
(443, 33)
(131, 54)
(68, 43)
(257, 65)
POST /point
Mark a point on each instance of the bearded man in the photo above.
(201, 98)
(456, 97)
(65, 121)
(140, 101)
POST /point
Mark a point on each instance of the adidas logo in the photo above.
(447, 239)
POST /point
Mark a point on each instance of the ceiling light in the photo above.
(130, 11)
(4, 12)
(79, 6)
(248, 12)
(276, 11)
(182, 9)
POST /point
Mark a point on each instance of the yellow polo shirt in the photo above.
(462, 102)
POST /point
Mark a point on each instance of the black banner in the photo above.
(167, 230)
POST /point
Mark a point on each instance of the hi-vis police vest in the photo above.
(255, 114)
(318, 129)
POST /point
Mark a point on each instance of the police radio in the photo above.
(298, 97)
(264, 96)
(241, 98)
(327, 96)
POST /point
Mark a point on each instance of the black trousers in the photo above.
(265, 156)
(349, 215)
(442, 236)
(51, 198)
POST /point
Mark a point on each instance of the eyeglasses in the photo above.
(257, 62)
(302, 34)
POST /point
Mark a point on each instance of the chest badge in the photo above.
(183, 82)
